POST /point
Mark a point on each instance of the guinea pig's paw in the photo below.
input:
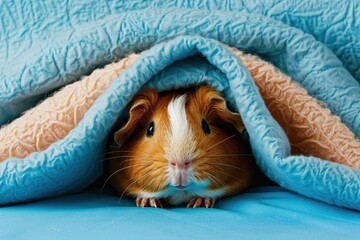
(201, 202)
(148, 202)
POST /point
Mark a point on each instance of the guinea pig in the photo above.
(181, 147)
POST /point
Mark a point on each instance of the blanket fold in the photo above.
(178, 48)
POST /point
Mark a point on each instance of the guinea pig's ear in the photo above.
(140, 106)
(217, 109)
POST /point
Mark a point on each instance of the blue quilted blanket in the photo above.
(45, 45)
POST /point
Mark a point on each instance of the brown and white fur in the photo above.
(182, 147)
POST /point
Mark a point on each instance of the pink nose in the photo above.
(182, 165)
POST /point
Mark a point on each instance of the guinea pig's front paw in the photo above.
(201, 202)
(148, 202)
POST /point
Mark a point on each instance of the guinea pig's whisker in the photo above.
(124, 156)
(132, 183)
(205, 139)
(227, 165)
(109, 158)
(211, 177)
(223, 184)
(220, 142)
(227, 174)
(118, 157)
(232, 155)
(215, 179)
(160, 161)
(117, 171)
(128, 158)
(117, 152)
(148, 184)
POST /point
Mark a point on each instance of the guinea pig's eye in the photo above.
(205, 127)
(151, 129)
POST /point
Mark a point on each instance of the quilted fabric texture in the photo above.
(56, 116)
(90, 40)
(311, 129)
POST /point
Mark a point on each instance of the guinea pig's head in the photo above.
(181, 141)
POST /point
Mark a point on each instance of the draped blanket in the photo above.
(290, 70)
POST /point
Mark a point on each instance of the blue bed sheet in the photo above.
(262, 213)
(45, 45)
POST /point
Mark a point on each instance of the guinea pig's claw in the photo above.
(201, 202)
(148, 202)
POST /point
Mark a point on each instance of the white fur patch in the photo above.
(180, 141)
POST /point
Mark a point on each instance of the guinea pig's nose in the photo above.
(180, 165)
